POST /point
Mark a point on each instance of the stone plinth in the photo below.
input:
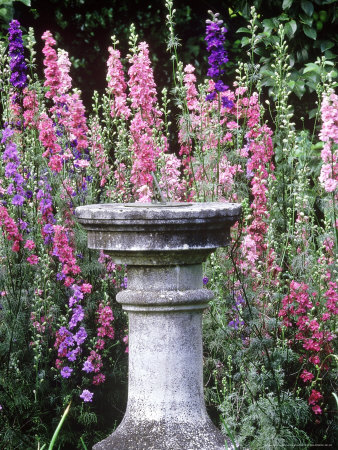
(164, 247)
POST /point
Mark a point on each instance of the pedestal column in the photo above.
(164, 248)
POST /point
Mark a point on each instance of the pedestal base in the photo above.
(164, 436)
(163, 247)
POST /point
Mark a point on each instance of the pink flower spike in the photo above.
(33, 259)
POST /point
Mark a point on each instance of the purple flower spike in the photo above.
(215, 38)
(16, 53)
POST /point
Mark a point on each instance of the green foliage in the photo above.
(251, 370)
(7, 13)
(310, 33)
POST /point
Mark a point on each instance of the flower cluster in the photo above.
(146, 119)
(105, 329)
(52, 71)
(12, 159)
(117, 85)
(16, 53)
(312, 335)
(215, 38)
(329, 135)
(10, 228)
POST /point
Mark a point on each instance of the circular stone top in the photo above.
(143, 233)
(137, 213)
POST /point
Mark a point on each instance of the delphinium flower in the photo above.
(172, 186)
(64, 252)
(117, 85)
(31, 108)
(12, 170)
(227, 173)
(300, 311)
(329, 135)
(98, 155)
(68, 126)
(10, 228)
(52, 71)
(86, 395)
(186, 127)
(11, 156)
(190, 88)
(215, 38)
(66, 372)
(45, 206)
(260, 153)
(146, 118)
(105, 329)
(64, 64)
(314, 398)
(16, 52)
(48, 138)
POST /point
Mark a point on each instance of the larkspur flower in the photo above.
(86, 395)
(66, 372)
(99, 379)
(117, 85)
(52, 71)
(16, 53)
(33, 259)
(78, 315)
(88, 366)
(6, 133)
(143, 97)
(18, 200)
(306, 376)
(72, 354)
(80, 336)
(215, 38)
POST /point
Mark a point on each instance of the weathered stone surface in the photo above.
(142, 235)
(164, 247)
(164, 435)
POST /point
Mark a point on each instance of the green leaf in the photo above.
(326, 45)
(290, 28)
(283, 17)
(310, 32)
(25, 2)
(311, 67)
(299, 88)
(243, 30)
(307, 7)
(304, 18)
(268, 25)
(329, 55)
(286, 4)
(58, 428)
(259, 51)
(3, 12)
(245, 41)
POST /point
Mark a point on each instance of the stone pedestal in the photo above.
(164, 247)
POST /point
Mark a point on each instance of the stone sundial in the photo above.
(163, 246)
